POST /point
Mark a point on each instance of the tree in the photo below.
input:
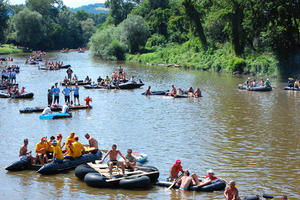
(88, 29)
(3, 18)
(29, 28)
(134, 32)
(81, 15)
(119, 9)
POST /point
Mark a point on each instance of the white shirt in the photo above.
(64, 109)
(46, 111)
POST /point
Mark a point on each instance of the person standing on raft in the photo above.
(113, 154)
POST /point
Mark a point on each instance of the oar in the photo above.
(174, 182)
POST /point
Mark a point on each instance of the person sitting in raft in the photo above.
(253, 84)
(75, 78)
(78, 148)
(113, 154)
(208, 179)
(132, 80)
(87, 101)
(296, 84)
(131, 160)
(40, 150)
(268, 83)
(262, 82)
(70, 150)
(92, 142)
(290, 82)
(46, 111)
(107, 82)
(71, 137)
(190, 91)
(174, 170)
(148, 91)
(179, 91)
(186, 180)
(57, 153)
(100, 81)
(197, 93)
(66, 80)
(24, 154)
(87, 79)
(59, 139)
(65, 108)
(173, 90)
(231, 192)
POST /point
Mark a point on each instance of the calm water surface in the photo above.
(249, 137)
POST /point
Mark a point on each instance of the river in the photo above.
(249, 137)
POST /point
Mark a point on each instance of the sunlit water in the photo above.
(249, 137)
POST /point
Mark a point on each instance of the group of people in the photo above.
(52, 150)
(189, 92)
(115, 79)
(14, 90)
(54, 92)
(53, 65)
(9, 74)
(253, 83)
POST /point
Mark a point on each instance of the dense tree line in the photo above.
(248, 25)
(46, 24)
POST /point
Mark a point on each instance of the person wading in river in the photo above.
(113, 154)
(186, 180)
(231, 192)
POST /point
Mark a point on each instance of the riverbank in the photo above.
(9, 49)
(220, 59)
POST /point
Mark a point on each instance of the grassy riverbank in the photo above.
(9, 49)
(221, 59)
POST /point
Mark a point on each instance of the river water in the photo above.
(249, 137)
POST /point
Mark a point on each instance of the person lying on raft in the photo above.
(131, 160)
(40, 150)
(24, 154)
(174, 170)
(57, 152)
(231, 192)
(148, 91)
(197, 93)
(113, 154)
(207, 179)
(186, 180)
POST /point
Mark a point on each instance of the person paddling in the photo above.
(113, 154)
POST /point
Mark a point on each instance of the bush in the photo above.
(156, 40)
(236, 64)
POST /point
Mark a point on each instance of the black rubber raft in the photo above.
(80, 82)
(156, 92)
(258, 88)
(257, 197)
(21, 96)
(54, 168)
(216, 185)
(132, 181)
(40, 109)
(123, 86)
(291, 88)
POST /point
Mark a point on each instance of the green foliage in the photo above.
(88, 29)
(3, 18)
(81, 15)
(119, 9)
(134, 33)
(156, 40)
(236, 64)
(9, 49)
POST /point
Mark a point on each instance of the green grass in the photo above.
(221, 58)
(9, 49)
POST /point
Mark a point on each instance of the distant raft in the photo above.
(80, 82)
(21, 96)
(122, 86)
(54, 168)
(291, 88)
(40, 109)
(156, 92)
(56, 115)
(257, 88)
(216, 185)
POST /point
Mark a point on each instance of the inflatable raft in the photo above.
(97, 175)
(291, 88)
(54, 168)
(140, 157)
(80, 82)
(39, 109)
(127, 86)
(157, 92)
(64, 66)
(257, 88)
(56, 115)
(216, 185)
(22, 165)
(21, 96)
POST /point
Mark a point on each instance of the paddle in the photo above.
(174, 182)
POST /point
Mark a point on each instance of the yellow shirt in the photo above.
(69, 138)
(49, 146)
(58, 153)
(40, 146)
(59, 143)
(78, 148)
(69, 152)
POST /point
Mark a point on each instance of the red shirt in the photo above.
(177, 168)
(213, 178)
(87, 101)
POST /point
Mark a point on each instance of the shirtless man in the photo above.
(148, 91)
(113, 154)
(186, 180)
(231, 192)
(23, 154)
(92, 141)
(175, 169)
